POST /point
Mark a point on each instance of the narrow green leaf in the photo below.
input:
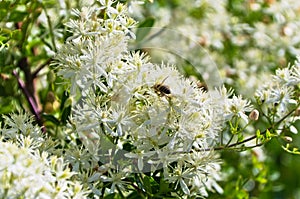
(51, 118)
(64, 98)
(144, 28)
(65, 114)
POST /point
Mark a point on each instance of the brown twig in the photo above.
(31, 100)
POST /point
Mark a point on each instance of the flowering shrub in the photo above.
(157, 119)
(115, 124)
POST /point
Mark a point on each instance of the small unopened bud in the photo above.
(254, 115)
(50, 97)
(48, 108)
(297, 112)
(287, 139)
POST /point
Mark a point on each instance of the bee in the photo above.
(202, 86)
(161, 89)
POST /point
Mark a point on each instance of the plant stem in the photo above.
(31, 100)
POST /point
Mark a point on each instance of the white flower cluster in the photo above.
(134, 116)
(25, 172)
(279, 94)
(92, 42)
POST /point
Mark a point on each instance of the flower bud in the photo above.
(254, 115)
(48, 108)
(50, 97)
(297, 112)
(287, 139)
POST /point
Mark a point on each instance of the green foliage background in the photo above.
(28, 44)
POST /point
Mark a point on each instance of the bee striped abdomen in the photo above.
(162, 89)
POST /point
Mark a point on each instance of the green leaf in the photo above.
(17, 16)
(240, 137)
(269, 135)
(51, 118)
(258, 135)
(5, 8)
(110, 196)
(2, 40)
(64, 98)
(144, 28)
(65, 114)
(8, 105)
(134, 195)
(242, 194)
(65, 107)
(147, 184)
(163, 186)
(16, 35)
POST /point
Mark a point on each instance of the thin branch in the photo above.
(254, 136)
(287, 115)
(237, 143)
(35, 73)
(30, 99)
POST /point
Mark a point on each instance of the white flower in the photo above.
(288, 76)
(86, 59)
(238, 106)
(118, 121)
(283, 75)
(181, 176)
(31, 175)
(279, 92)
(107, 5)
(295, 72)
(140, 155)
(116, 178)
